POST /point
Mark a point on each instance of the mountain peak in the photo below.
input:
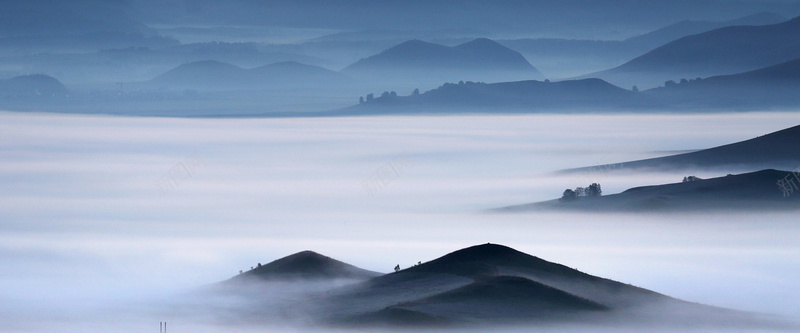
(308, 265)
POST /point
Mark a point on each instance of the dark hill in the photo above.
(415, 60)
(722, 51)
(774, 150)
(32, 85)
(750, 191)
(775, 86)
(307, 265)
(501, 299)
(594, 94)
(491, 284)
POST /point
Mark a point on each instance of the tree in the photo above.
(361, 100)
(397, 268)
(393, 94)
(569, 195)
(594, 190)
(690, 179)
(635, 89)
(259, 264)
(370, 97)
(670, 84)
(415, 93)
(580, 192)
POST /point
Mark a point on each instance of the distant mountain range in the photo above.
(480, 285)
(774, 150)
(755, 191)
(215, 75)
(722, 51)
(573, 57)
(417, 61)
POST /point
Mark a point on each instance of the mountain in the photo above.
(32, 85)
(305, 265)
(750, 191)
(495, 284)
(771, 87)
(685, 28)
(415, 61)
(481, 285)
(509, 97)
(215, 75)
(564, 58)
(774, 150)
(722, 51)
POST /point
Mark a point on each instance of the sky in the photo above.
(103, 214)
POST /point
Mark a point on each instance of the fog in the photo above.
(114, 223)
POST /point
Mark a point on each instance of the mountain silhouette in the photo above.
(32, 85)
(509, 97)
(416, 60)
(306, 265)
(685, 28)
(757, 191)
(773, 150)
(771, 87)
(215, 75)
(722, 51)
(493, 284)
(562, 58)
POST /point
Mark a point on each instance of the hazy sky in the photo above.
(107, 214)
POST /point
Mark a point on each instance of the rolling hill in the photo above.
(32, 85)
(750, 191)
(722, 51)
(215, 75)
(509, 97)
(418, 61)
(770, 151)
(563, 58)
(775, 86)
(305, 265)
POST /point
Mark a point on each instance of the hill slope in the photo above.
(32, 85)
(306, 265)
(774, 150)
(751, 191)
(722, 51)
(771, 87)
(587, 94)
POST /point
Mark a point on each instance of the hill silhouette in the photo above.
(594, 94)
(685, 28)
(215, 75)
(494, 284)
(486, 284)
(563, 58)
(32, 85)
(722, 51)
(750, 191)
(771, 87)
(416, 60)
(306, 265)
(773, 150)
